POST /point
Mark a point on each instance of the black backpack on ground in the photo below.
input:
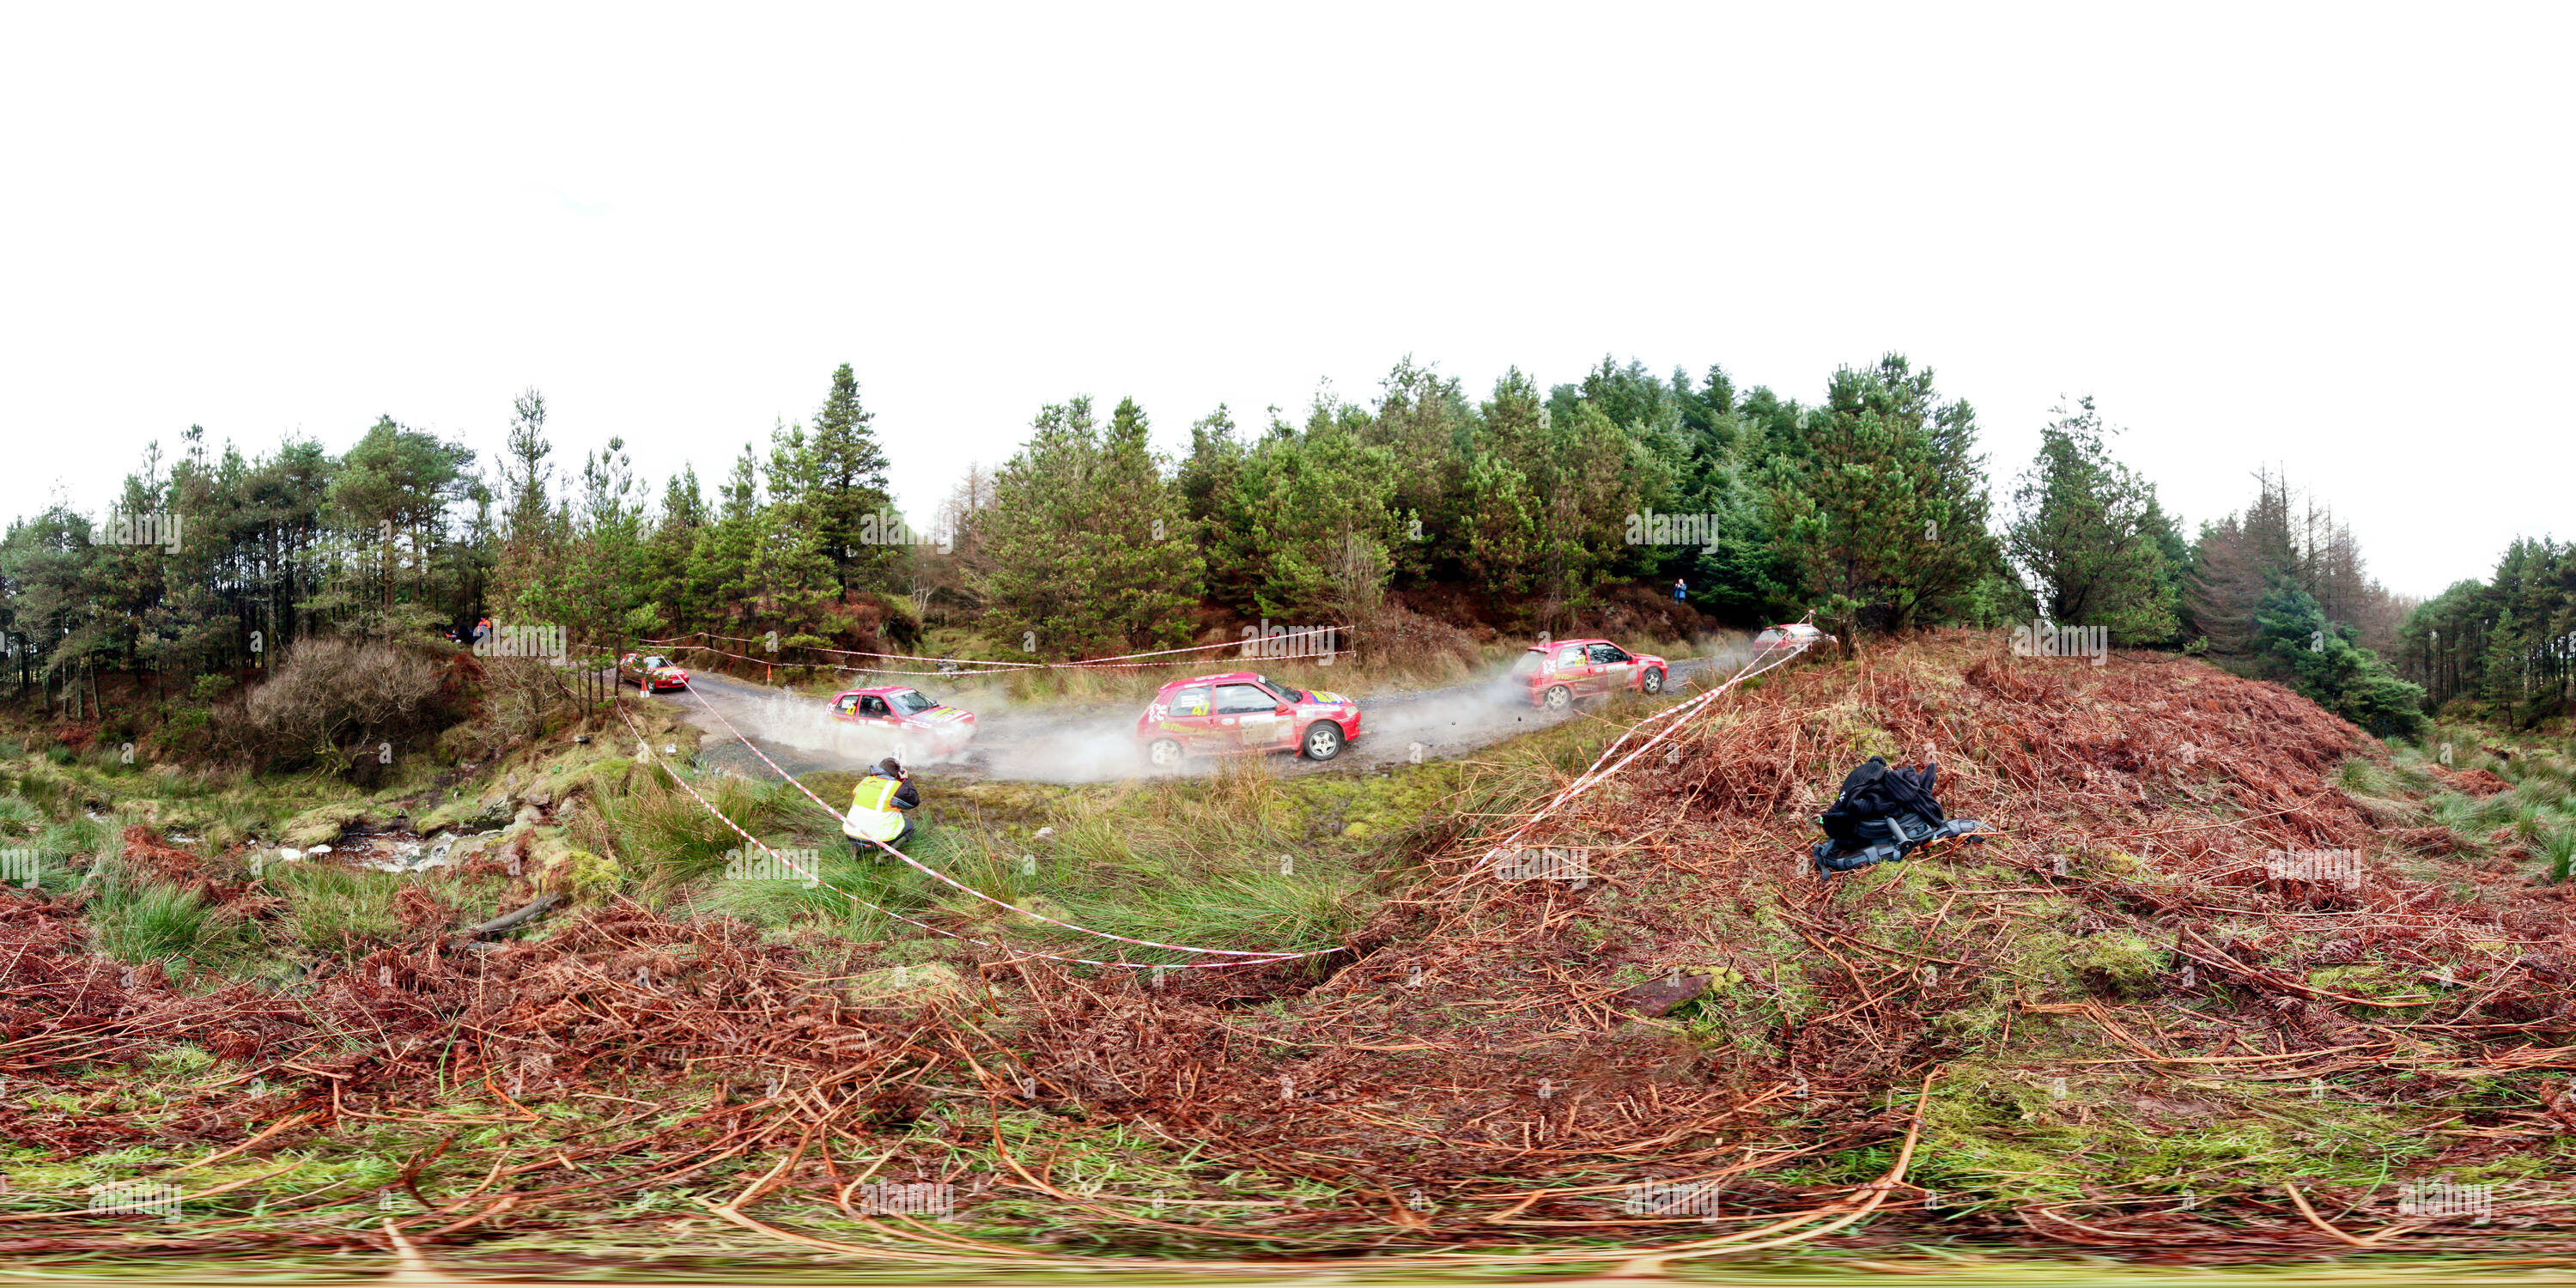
(1881, 814)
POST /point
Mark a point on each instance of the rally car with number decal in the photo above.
(1555, 674)
(651, 672)
(918, 722)
(1242, 711)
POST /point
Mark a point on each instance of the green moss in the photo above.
(321, 825)
(2379, 981)
(2120, 964)
(569, 870)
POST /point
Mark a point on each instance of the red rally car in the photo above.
(918, 720)
(1554, 675)
(651, 672)
(1240, 711)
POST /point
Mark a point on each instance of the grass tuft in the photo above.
(670, 838)
(2558, 854)
(336, 910)
(137, 921)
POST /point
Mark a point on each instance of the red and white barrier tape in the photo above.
(816, 876)
(1253, 958)
(827, 666)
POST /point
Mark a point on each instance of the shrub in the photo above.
(520, 695)
(2325, 665)
(334, 697)
(188, 733)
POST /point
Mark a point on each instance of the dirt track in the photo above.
(1096, 744)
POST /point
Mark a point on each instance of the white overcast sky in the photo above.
(2328, 238)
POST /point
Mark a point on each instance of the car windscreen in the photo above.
(1242, 699)
(654, 664)
(1529, 663)
(913, 702)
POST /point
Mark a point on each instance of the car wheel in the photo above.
(1163, 753)
(1558, 698)
(1323, 740)
(1652, 682)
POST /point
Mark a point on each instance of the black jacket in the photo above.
(1878, 790)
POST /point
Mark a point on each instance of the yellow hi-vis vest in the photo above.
(873, 816)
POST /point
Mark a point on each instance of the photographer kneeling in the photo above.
(880, 809)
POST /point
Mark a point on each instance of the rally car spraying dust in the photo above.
(651, 672)
(1554, 675)
(918, 722)
(1240, 711)
(1789, 638)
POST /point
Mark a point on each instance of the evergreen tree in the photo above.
(846, 482)
(1882, 509)
(2321, 660)
(666, 555)
(2088, 535)
(529, 533)
(720, 559)
(1084, 548)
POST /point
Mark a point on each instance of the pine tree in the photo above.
(1085, 548)
(666, 555)
(529, 534)
(1881, 508)
(846, 481)
(2088, 536)
(720, 558)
